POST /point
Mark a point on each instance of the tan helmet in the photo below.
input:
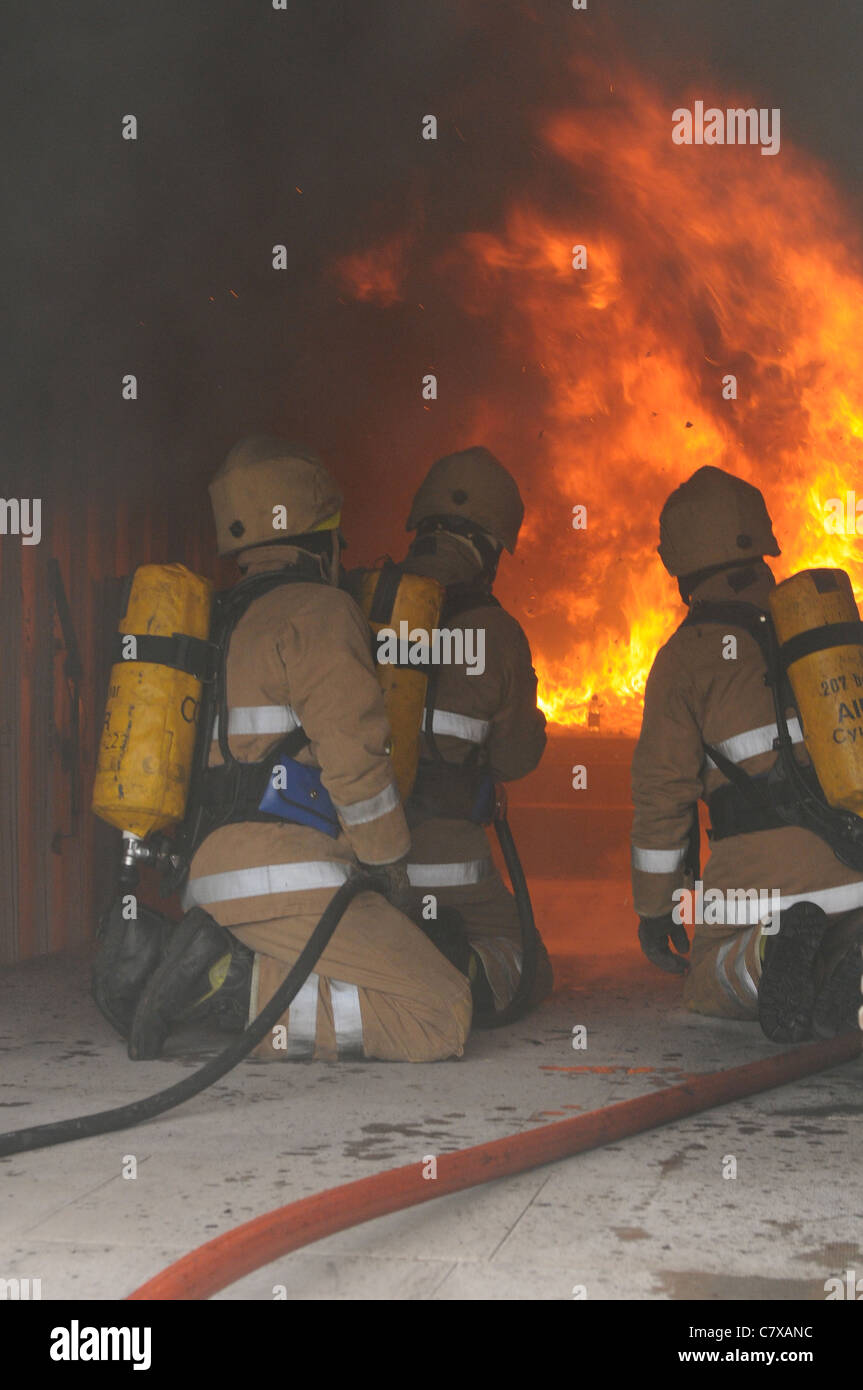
(263, 473)
(474, 486)
(712, 519)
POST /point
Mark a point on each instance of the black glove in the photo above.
(395, 885)
(653, 934)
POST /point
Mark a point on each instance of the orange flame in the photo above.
(376, 275)
(703, 262)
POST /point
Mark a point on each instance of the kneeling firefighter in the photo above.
(298, 792)
(752, 706)
(480, 725)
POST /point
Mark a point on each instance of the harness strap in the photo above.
(794, 792)
(194, 655)
(222, 795)
(819, 639)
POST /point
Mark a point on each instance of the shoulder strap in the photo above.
(389, 578)
(754, 792)
(458, 599)
(461, 597)
(231, 605)
(798, 800)
(759, 625)
(754, 620)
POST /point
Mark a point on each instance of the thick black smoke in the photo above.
(123, 255)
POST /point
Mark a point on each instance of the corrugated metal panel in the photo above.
(57, 861)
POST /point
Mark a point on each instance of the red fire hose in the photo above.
(256, 1243)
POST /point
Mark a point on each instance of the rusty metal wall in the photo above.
(56, 858)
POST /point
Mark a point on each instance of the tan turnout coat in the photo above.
(301, 655)
(696, 691)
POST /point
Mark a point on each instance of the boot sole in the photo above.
(786, 994)
(838, 1005)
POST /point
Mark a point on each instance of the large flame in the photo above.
(703, 262)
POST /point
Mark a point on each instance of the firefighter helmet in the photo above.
(268, 489)
(713, 519)
(475, 487)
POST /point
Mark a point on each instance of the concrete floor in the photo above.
(648, 1218)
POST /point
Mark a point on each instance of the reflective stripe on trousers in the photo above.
(843, 898)
(738, 967)
(265, 881)
(500, 959)
(302, 1024)
(451, 875)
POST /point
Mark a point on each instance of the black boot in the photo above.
(229, 1006)
(839, 1001)
(195, 967)
(450, 936)
(129, 952)
(788, 988)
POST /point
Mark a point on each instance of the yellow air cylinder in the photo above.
(827, 683)
(417, 602)
(148, 737)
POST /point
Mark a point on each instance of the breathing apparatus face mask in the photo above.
(741, 573)
(485, 548)
(338, 544)
(325, 545)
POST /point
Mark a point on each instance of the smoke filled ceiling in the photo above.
(301, 127)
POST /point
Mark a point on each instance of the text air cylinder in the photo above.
(389, 598)
(147, 745)
(818, 627)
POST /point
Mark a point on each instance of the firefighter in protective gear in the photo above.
(478, 726)
(706, 693)
(299, 667)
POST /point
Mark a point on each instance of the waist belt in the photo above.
(232, 794)
(734, 811)
(237, 792)
(450, 791)
(284, 791)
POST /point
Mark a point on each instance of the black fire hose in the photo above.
(521, 1000)
(124, 1116)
